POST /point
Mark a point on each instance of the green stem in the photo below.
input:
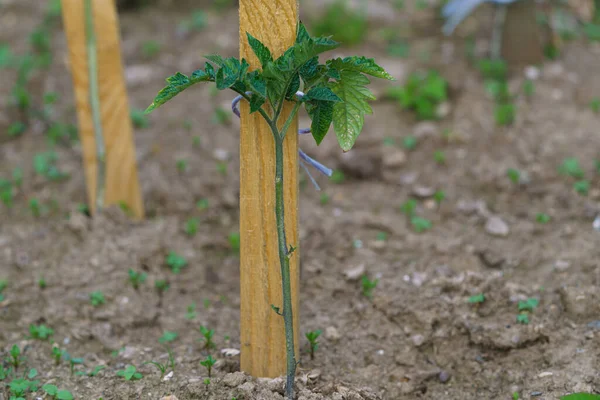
(284, 255)
(92, 60)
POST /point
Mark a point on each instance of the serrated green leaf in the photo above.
(176, 84)
(360, 64)
(215, 58)
(256, 102)
(225, 78)
(321, 93)
(260, 50)
(293, 87)
(257, 83)
(321, 115)
(348, 116)
(50, 389)
(301, 33)
(64, 395)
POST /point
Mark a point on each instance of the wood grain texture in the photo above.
(262, 331)
(122, 183)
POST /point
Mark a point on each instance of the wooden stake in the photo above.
(121, 184)
(522, 39)
(262, 332)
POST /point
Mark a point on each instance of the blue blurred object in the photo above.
(455, 11)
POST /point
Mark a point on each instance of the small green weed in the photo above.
(167, 337)
(504, 113)
(161, 286)
(439, 157)
(40, 332)
(202, 204)
(234, 241)
(191, 226)
(420, 224)
(439, 196)
(368, 286)
(190, 312)
(182, 165)
(162, 368)
(54, 393)
(136, 278)
(175, 262)
(409, 142)
(595, 104)
(409, 207)
(324, 199)
(542, 218)
(207, 337)
(97, 298)
(150, 48)
(57, 354)
(73, 361)
(528, 88)
(582, 187)
(477, 299)
(571, 167)
(421, 93)
(130, 373)
(42, 283)
(338, 177)
(208, 364)
(514, 175)
(14, 357)
(312, 337)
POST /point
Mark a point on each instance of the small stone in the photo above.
(221, 154)
(230, 352)
(444, 376)
(314, 374)
(423, 192)
(128, 352)
(443, 109)
(393, 158)
(355, 273)
(408, 178)
(168, 376)
(138, 74)
(418, 340)
(545, 374)
(234, 379)
(170, 397)
(425, 129)
(532, 72)
(496, 226)
(331, 333)
(562, 265)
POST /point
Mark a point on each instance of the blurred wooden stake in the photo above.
(121, 186)
(262, 331)
(522, 38)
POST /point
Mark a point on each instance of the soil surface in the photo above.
(418, 337)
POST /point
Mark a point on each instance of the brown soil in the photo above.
(418, 337)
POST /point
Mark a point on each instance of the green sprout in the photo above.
(191, 226)
(222, 168)
(202, 204)
(16, 129)
(42, 283)
(528, 305)
(528, 88)
(3, 285)
(54, 393)
(439, 196)
(190, 313)
(130, 373)
(409, 207)
(595, 104)
(161, 286)
(338, 177)
(514, 175)
(207, 337)
(40, 332)
(57, 354)
(312, 337)
(234, 241)
(73, 361)
(96, 370)
(175, 262)
(136, 278)
(162, 368)
(439, 157)
(381, 236)
(208, 363)
(196, 141)
(542, 218)
(167, 337)
(97, 298)
(409, 142)
(15, 358)
(368, 286)
(206, 303)
(582, 187)
(570, 166)
(420, 224)
(477, 299)
(181, 165)
(523, 319)
(422, 93)
(324, 199)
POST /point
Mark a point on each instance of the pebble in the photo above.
(221, 154)
(545, 374)
(443, 109)
(168, 376)
(596, 224)
(444, 376)
(496, 226)
(532, 72)
(425, 129)
(418, 340)
(331, 333)
(234, 379)
(423, 191)
(394, 158)
(170, 397)
(230, 352)
(353, 274)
